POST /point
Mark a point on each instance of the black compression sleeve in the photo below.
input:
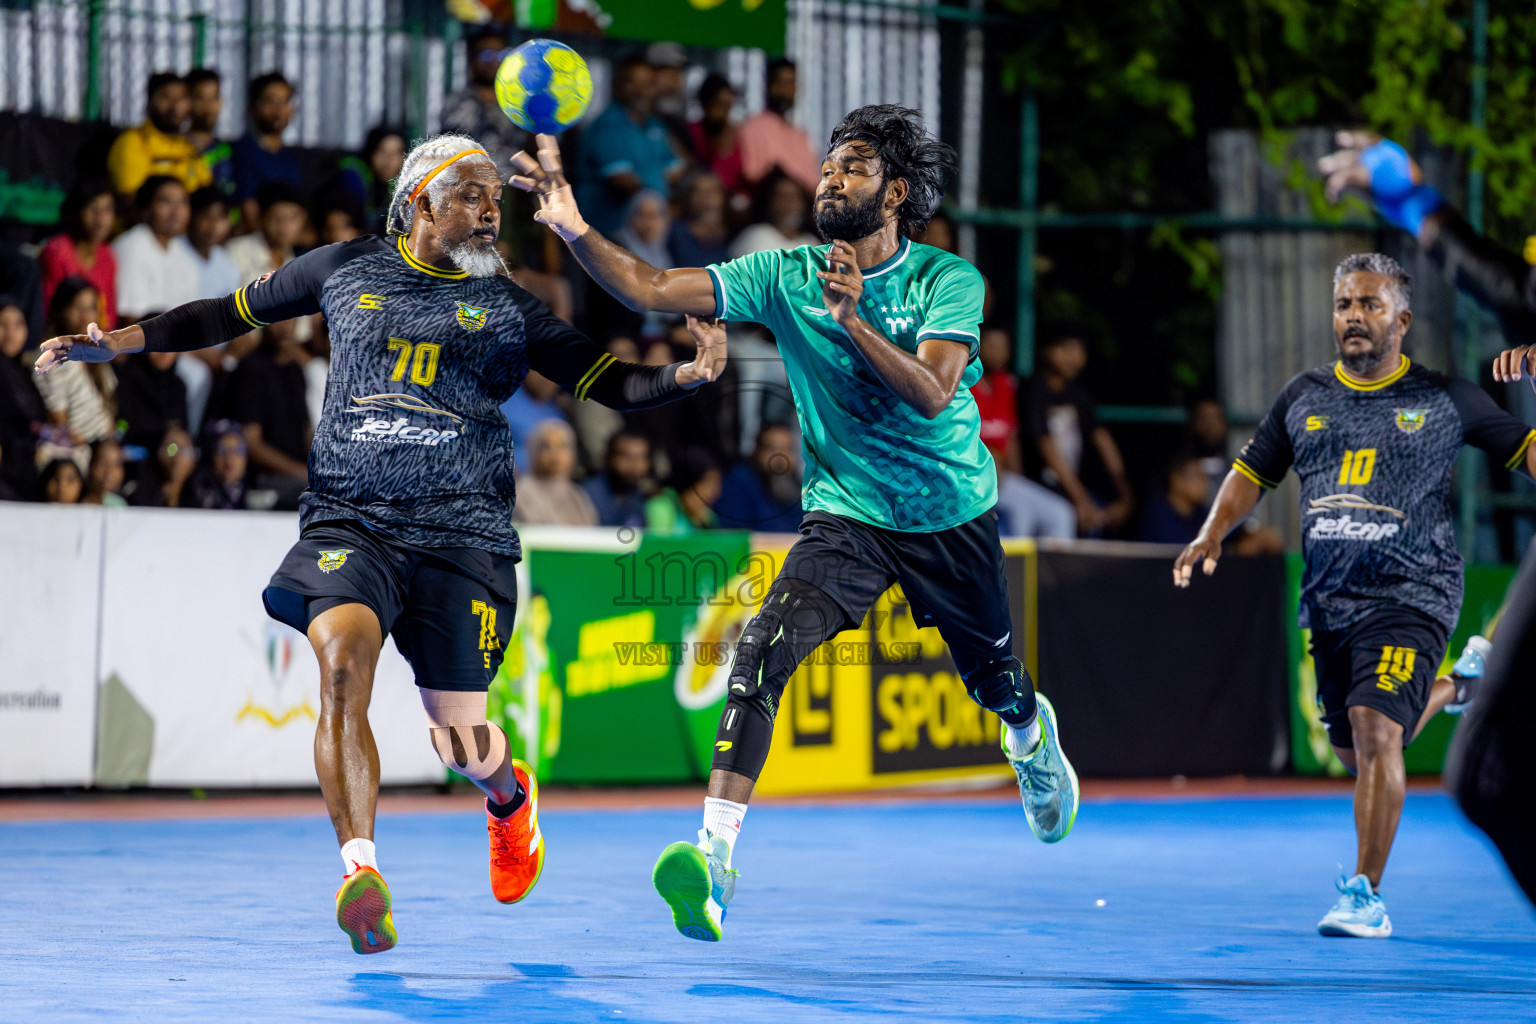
(1498, 279)
(194, 325)
(626, 386)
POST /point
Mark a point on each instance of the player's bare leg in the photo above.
(724, 785)
(1380, 787)
(347, 639)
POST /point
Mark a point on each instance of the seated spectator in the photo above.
(219, 483)
(549, 494)
(151, 398)
(1207, 439)
(207, 231)
(1175, 513)
(23, 416)
(939, 232)
(260, 155)
(997, 396)
(1027, 509)
(625, 149)
(205, 90)
(473, 110)
(279, 218)
(104, 480)
(79, 396)
(87, 217)
(684, 505)
(619, 491)
(60, 482)
(157, 268)
(1060, 422)
(713, 137)
(21, 279)
(763, 492)
(700, 235)
(647, 223)
(778, 218)
(362, 182)
(159, 481)
(267, 397)
(157, 147)
(337, 217)
(594, 422)
(768, 140)
(669, 65)
(531, 404)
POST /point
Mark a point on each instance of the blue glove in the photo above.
(1397, 198)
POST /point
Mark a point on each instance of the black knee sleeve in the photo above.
(1003, 687)
(796, 618)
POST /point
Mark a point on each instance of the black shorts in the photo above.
(450, 609)
(953, 579)
(1387, 661)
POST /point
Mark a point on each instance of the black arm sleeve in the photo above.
(1268, 455)
(1484, 425)
(576, 362)
(195, 325)
(1498, 279)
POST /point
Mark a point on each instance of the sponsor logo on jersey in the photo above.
(1409, 420)
(400, 431)
(262, 279)
(1317, 422)
(471, 318)
(405, 403)
(900, 324)
(370, 301)
(1346, 527)
(330, 561)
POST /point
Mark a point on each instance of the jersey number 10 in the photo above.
(1357, 469)
(423, 365)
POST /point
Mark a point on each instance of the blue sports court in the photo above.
(922, 910)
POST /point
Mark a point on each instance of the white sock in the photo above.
(723, 818)
(1023, 741)
(359, 853)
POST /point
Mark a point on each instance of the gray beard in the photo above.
(1362, 363)
(475, 262)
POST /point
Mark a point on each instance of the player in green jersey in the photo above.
(879, 336)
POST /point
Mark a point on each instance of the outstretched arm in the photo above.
(620, 272)
(194, 325)
(1234, 503)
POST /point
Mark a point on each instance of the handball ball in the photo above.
(543, 86)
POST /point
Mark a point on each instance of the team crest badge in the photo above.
(1409, 420)
(472, 318)
(330, 561)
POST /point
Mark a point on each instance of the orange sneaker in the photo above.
(517, 845)
(362, 911)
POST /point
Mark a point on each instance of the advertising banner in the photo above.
(198, 686)
(755, 23)
(50, 564)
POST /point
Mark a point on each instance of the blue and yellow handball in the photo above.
(543, 86)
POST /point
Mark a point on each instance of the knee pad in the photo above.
(1005, 688)
(796, 618)
(463, 739)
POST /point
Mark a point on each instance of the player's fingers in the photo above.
(525, 163)
(526, 184)
(1209, 566)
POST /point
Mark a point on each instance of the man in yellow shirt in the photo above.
(157, 146)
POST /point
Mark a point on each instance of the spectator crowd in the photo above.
(176, 214)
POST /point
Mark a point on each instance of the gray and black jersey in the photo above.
(411, 438)
(1374, 460)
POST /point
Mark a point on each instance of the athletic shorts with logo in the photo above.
(953, 579)
(450, 610)
(1387, 661)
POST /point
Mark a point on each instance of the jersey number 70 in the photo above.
(423, 366)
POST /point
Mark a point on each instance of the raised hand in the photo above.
(1202, 549)
(90, 347)
(842, 282)
(1513, 363)
(1343, 168)
(545, 178)
(709, 363)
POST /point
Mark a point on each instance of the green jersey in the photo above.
(868, 454)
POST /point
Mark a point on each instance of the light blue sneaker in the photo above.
(1047, 783)
(1467, 673)
(1359, 912)
(697, 885)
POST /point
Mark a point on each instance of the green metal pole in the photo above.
(199, 39)
(95, 11)
(1029, 199)
(1470, 488)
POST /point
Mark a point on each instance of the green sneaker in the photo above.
(695, 882)
(1047, 783)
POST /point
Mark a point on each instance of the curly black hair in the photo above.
(906, 150)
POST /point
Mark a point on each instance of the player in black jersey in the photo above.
(406, 528)
(1373, 438)
(1491, 767)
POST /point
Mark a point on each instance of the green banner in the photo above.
(755, 23)
(1310, 750)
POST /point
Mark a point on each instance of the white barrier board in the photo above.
(50, 568)
(232, 694)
